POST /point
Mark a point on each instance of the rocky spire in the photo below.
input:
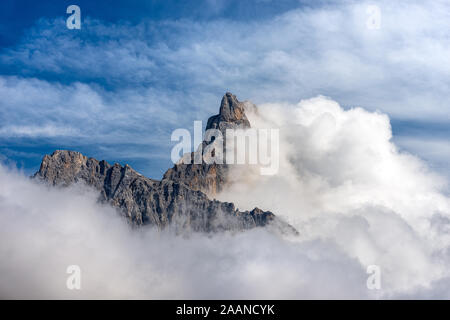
(231, 115)
(211, 178)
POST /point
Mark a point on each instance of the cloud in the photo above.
(126, 78)
(354, 198)
(45, 230)
(80, 108)
(80, 115)
(353, 195)
(342, 178)
(46, 131)
(326, 49)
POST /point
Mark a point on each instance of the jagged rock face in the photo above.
(146, 201)
(211, 178)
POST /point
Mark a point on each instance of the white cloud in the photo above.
(342, 178)
(355, 200)
(37, 108)
(157, 71)
(45, 230)
(354, 197)
(435, 150)
(400, 68)
(34, 131)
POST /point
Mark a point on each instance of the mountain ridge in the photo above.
(179, 200)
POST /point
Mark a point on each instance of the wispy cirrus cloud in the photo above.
(326, 50)
(30, 131)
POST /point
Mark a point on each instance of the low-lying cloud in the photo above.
(44, 230)
(354, 198)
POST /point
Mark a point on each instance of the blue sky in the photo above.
(137, 70)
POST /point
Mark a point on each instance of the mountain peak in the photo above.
(231, 114)
(230, 108)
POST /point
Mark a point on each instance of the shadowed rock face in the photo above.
(178, 200)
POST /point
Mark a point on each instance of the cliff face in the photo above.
(177, 201)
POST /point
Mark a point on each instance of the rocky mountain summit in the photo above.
(179, 200)
(210, 178)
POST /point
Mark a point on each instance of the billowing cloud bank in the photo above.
(342, 179)
(354, 198)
